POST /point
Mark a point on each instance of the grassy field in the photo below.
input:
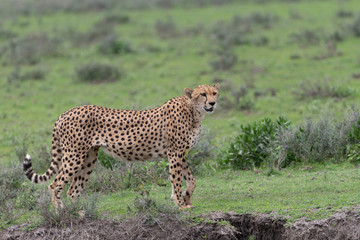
(299, 59)
(311, 192)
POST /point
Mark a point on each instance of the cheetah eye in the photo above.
(214, 93)
(203, 94)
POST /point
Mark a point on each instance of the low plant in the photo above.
(356, 26)
(166, 28)
(251, 147)
(73, 211)
(235, 98)
(153, 211)
(115, 174)
(344, 14)
(225, 61)
(29, 50)
(112, 45)
(306, 37)
(6, 34)
(353, 153)
(201, 153)
(98, 73)
(275, 145)
(316, 141)
(112, 20)
(321, 89)
(35, 74)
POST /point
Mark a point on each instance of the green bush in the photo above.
(112, 45)
(356, 26)
(353, 153)
(316, 141)
(201, 153)
(251, 148)
(98, 73)
(36, 74)
(321, 89)
(225, 61)
(275, 145)
(166, 28)
(29, 50)
(112, 20)
(73, 211)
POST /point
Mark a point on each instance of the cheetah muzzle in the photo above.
(169, 130)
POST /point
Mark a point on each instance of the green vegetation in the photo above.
(277, 144)
(272, 58)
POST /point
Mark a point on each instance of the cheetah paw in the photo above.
(186, 207)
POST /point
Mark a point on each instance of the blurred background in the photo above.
(294, 58)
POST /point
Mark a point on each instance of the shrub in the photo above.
(226, 60)
(73, 211)
(16, 76)
(31, 49)
(306, 37)
(112, 45)
(153, 212)
(201, 153)
(239, 30)
(356, 26)
(5, 34)
(166, 28)
(12, 176)
(127, 175)
(228, 35)
(316, 141)
(344, 14)
(251, 148)
(106, 181)
(8, 215)
(97, 73)
(36, 74)
(321, 89)
(353, 123)
(95, 34)
(353, 153)
(235, 98)
(11, 179)
(112, 20)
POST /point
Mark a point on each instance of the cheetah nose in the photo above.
(212, 103)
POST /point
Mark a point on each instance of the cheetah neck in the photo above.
(197, 116)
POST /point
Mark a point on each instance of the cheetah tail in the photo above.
(29, 172)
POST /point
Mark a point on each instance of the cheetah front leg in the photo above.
(175, 177)
(190, 183)
(176, 174)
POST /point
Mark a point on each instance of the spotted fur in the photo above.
(169, 131)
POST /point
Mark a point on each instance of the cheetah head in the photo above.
(203, 97)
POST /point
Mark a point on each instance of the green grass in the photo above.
(291, 194)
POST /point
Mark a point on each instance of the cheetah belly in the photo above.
(152, 151)
(112, 154)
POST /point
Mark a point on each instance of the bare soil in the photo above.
(342, 225)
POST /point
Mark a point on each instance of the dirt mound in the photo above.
(342, 225)
(260, 226)
(135, 228)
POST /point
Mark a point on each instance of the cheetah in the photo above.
(169, 130)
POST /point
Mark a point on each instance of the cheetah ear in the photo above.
(188, 92)
(217, 86)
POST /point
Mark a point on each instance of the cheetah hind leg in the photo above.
(56, 201)
(82, 177)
